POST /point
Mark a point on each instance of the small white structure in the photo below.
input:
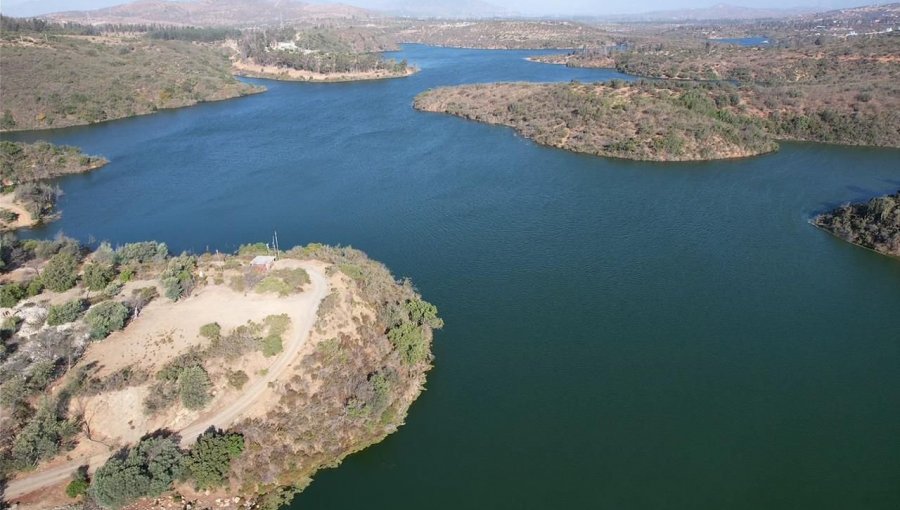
(286, 46)
(262, 263)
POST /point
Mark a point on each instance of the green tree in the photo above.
(178, 278)
(11, 294)
(60, 273)
(210, 459)
(147, 470)
(97, 276)
(66, 312)
(79, 485)
(105, 318)
(43, 436)
(193, 387)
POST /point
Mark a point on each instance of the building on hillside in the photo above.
(262, 263)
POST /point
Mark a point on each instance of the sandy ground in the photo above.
(281, 73)
(163, 331)
(7, 201)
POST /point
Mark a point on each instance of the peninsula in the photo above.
(244, 373)
(874, 225)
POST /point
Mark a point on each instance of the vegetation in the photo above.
(838, 91)
(44, 435)
(874, 225)
(148, 469)
(66, 312)
(61, 272)
(178, 278)
(79, 485)
(317, 51)
(645, 121)
(51, 79)
(40, 161)
(106, 317)
(503, 34)
(210, 459)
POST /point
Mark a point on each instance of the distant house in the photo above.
(262, 263)
(286, 46)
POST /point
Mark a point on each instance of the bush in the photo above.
(60, 273)
(271, 345)
(193, 387)
(11, 294)
(43, 437)
(178, 278)
(140, 253)
(79, 484)
(35, 287)
(147, 470)
(66, 312)
(212, 331)
(105, 318)
(210, 459)
(98, 276)
(237, 378)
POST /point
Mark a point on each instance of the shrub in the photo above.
(11, 294)
(140, 253)
(193, 387)
(146, 470)
(237, 378)
(79, 484)
(112, 290)
(210, 459)
(273, 284)
(272, 345)
(60, 273)
(105, 318)
(98, 276)
(178, 278)
(277, 324)
(43, 436)
(212, 331)
(66, 312)
(35, 287)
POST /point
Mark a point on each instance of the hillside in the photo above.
(205, 13)
(52, 80)
(837, 91)
(501, 34)
(633, 121)
(26, 198)
(297, 367)
(874, 225)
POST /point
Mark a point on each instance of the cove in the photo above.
(618, 334)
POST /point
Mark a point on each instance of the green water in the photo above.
(619, 335)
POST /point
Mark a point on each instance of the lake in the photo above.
(619, 334)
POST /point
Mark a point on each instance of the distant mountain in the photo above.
(716, 12)
(29, 8)
(213, 12)
(446, 9)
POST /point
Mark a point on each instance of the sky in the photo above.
(525, 7)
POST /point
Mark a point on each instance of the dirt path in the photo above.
(222, 418)
(7, 201)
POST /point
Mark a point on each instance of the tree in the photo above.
(43, 435)
(11, 294)
(79, 484)
(193, 387)
(148, 469)
(210, 459)
(66, 312)
(60, 274)
(97, 276)
(178, 278)
(105, 318)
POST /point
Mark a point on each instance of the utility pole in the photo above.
(275, 241)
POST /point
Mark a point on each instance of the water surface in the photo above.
(619, 335)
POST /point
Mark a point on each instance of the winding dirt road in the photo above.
(303, 322)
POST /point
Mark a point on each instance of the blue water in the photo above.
(744, 41)
(619, 334)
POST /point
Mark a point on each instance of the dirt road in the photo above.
(303, 323)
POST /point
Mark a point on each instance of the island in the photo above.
(26, 198)
(212, 380)
(641, 121)
(874, 225)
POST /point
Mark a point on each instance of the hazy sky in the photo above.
(528, 7)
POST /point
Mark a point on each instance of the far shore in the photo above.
(248, 70)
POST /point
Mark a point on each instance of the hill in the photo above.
(54, 79)
(205, 13)
(874, 225)
(289, 368)
(635, 121)
(715, 12)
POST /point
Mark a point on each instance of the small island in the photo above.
(211, 380)
(641, 121)
(874, 225)
(27, 199)
(319, 55)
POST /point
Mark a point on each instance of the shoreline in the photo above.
(247, 70)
